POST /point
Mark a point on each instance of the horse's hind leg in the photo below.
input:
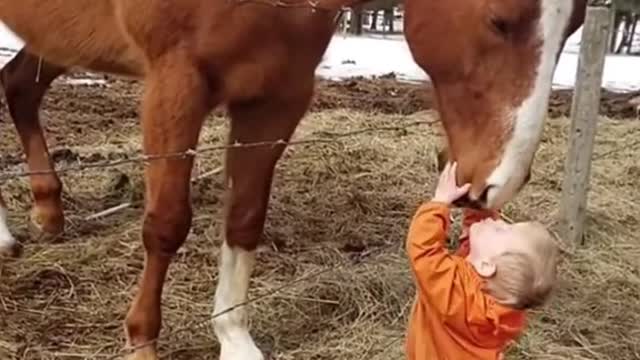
(25, 80)
(249, 173)
(8, 245)
(177, 98)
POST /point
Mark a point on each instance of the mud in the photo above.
(389, 96)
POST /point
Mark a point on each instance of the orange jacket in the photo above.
(452, 318)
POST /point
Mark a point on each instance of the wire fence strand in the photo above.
(361, 258)
(324, 137)
(353, 260)
(320, 137)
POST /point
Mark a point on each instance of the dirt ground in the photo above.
(338, 218)
(388, 96)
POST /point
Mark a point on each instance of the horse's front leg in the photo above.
(175, 103)
(249, 173)
(25, 80)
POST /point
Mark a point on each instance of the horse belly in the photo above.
(286, 53)
(72, 33)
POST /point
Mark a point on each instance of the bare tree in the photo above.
(357, 14)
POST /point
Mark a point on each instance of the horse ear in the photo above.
(441, 158)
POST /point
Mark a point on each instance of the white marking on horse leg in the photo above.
(231, 328)
(530, 116)
(7, 241)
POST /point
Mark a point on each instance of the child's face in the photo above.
(489, 238)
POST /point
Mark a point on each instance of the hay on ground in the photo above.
(344, 202)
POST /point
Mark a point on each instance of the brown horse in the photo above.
(490, 61)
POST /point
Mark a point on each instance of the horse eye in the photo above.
(501, 26)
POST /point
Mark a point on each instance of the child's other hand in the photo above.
(448, 191)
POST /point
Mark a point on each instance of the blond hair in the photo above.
(526, 280)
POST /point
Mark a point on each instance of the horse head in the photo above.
(491, 63)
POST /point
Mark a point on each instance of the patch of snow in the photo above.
(10, 45)
(85, 81)
(375, 55)
(349, 56)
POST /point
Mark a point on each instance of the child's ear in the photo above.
(485, 268)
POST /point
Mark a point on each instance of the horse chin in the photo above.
(466, 202)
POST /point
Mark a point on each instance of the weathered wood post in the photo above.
(584, 118)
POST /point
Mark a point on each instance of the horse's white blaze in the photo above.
(231, 328)
(529, 118)
(7, 242)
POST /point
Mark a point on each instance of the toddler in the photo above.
(471, 304)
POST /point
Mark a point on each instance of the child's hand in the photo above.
(448, 191)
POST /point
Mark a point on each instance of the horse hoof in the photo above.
(145, 353)
(8, 244)
(9, 247)
(46, 224)
(241, 353)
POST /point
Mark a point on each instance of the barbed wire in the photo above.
(324, 137)
(321, 137)
(627, 146)
(324, 5)
(330, 137)
(362, 257)
(352, 260)
(312, 4)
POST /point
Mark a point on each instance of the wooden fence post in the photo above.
(584, 117)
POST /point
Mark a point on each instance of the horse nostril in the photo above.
(462, 201)
(484, 197)
(466, 202)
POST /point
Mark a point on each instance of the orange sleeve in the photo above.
(448, 284)
(435, 270)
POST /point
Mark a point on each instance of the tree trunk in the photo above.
(355, 27)
(617, 19)
(388, 15)
(632, 33)
(374, 20)
(625, 33)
